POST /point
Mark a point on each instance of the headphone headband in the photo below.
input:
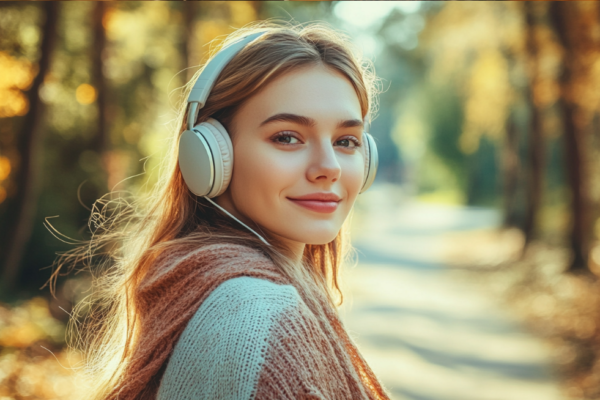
(210, 73)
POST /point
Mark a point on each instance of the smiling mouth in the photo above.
(317, 205)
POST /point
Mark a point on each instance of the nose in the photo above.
(324, 165)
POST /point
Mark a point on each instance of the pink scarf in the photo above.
(328, 365)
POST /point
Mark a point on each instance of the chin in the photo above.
(321, 242)
(316, 237)
(306, 231)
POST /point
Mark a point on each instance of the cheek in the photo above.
(260, 174)
(353, 176)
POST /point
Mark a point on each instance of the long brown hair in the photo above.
(131, 235)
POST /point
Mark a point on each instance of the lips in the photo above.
(319, 202)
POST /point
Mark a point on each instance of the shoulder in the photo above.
(252, 289)
(215, 254)
(221, 351)
(207, 265)
(240, 300)
(227, 252)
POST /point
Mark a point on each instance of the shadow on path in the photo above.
(426, 334)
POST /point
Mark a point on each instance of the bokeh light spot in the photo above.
(85, 94)
(4, 168)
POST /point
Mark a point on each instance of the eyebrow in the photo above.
(309, 122)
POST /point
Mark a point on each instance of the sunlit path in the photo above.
(427, 334)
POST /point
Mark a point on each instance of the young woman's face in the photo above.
(298, 138)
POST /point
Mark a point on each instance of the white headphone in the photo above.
(206, 151)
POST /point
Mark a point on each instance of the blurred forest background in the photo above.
(486, 104)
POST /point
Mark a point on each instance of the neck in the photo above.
(292, 249)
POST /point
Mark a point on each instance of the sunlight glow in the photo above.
(365, 14)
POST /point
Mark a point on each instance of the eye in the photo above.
(349, 142)
(285, 137)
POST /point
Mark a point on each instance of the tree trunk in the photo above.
(560, 15)
(536, 147)
(22, 211)
(101, 139)
(100, 142)
(579, 239)
(259, 9)
(510, 172)
(188, 9)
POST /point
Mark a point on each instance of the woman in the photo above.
(225, 287)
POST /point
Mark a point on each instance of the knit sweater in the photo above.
(224, 323)
(224, 347)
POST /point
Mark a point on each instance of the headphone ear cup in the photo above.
(206, 158)
(371, 161)
(225, 151)
(196, 162)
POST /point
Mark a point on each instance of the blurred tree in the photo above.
(259, 9)
(20, 210)
(188, 11)
(536, 147)
(100, 142)
(575, 33)
(476, 70)
(511, 166)
(101, 138)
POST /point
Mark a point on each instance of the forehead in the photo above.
(318, 92)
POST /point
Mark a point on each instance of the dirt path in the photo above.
(427, 334)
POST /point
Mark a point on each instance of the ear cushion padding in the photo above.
(371, 161)
(367, 154)
(226, 151)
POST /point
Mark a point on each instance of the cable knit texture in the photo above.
(222, 322)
